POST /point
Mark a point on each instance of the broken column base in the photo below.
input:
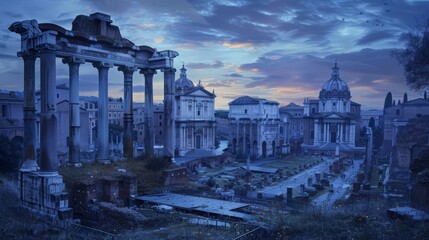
(44, 192)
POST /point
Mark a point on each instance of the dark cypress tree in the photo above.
(394, 103)
(405, 98)
(399, 102)
(388, 100)
(426, 96)
(371, 123)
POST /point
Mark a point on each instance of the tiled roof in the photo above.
(246, 100)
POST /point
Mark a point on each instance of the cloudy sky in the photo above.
(281, 50)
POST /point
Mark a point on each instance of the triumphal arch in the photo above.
(92, 40)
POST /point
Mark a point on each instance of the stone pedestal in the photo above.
(45, 192)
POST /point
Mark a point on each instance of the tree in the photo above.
(371, 123)
(414, 58)
(388, 100)
(394, 103)
(405, 98)
(426, 96)
(10, 154)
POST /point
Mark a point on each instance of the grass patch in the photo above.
(359, 220)
(291, 162)
(17, 222)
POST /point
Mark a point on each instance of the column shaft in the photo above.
(128, 110)
(48, 118)
(29, 151)
(316, 133)
(170, 112)
(244, 139)
(74, 121)
(103, 120)
(148, 113)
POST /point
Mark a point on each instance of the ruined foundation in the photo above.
(45, 192)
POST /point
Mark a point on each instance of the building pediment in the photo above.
(333, 115)
(201, 92)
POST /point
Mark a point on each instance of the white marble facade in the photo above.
(195, 120)
(254, 125)
(333, 118)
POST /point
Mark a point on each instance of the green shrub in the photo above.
(157, 164)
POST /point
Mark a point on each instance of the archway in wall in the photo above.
(234, 145)
(274, 148)
(254, 150)
(333, 137)
(198, 141)
(240, 146)
(264, 149)
(248, 151)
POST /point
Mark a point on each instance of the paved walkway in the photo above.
(340, 186)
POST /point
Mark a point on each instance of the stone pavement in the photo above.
(340, 186)
(297, 180)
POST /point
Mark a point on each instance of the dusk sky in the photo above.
(282, 50)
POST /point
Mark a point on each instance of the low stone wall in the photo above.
(175, 176)
(116, 190)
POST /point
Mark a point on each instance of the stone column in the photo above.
(103, 119)
(237, 142)
(48, 118)
(244, 139)
(74, 113)
(250, 137)
(325, 130)
(29, 154)
(149, 133)
(316, 133)
(128, 110)
(353, 136)
(170, 112)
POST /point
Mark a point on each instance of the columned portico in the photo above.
(29, 155)
(74, 122)
(102, 120)
(128, 110)
(148, 112)
(102, 45)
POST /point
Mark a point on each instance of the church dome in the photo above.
(183, 81)
(335, 87)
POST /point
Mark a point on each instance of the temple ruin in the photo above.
(92, 39)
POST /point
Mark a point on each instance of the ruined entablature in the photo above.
(92, 38)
